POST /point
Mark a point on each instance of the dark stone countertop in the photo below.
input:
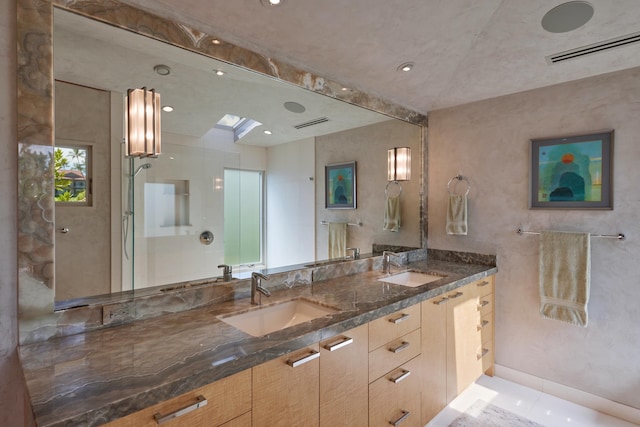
(94, 377)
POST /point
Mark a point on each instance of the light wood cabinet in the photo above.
(344, 379)
(395, 369)
(286, 390)
(226, 400)
(434, 357)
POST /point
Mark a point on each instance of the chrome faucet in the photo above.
(386, 261)
(356, 252)
(226, 273)
(256, 288)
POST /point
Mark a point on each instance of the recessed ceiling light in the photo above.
(216, 41)
(167, 108)
(344, 89)
(219, 72)
(271, 3)
(162, 69)
(406, 67)
(567, 17)
(267, 132)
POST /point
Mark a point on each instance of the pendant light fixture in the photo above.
(142, 123)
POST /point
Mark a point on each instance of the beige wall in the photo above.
(368, 146)
(488, 142)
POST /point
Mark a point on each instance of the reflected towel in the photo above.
(337, 240)
(392, 214)
(565, 276)
(457, 214)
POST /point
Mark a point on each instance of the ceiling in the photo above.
(463, 50)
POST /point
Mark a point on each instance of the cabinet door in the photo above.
(344, 379)
(464, 340)
(434, 357)
(394, 399)
(286, 390)
(226, 399)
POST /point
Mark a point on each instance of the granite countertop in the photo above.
(94, 377)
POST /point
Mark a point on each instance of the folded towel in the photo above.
(564, 275)
(337, 240)
(392, 214)
(457, 214)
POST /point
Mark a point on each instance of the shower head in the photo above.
(142, 166)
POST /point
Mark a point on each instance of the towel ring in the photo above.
(458, 178)
(386, 189)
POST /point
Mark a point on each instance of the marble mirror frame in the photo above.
(35, 106)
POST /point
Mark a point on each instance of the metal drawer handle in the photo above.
(345, 341)
(200, 402)
(399, 348)
(483, 283)
(483, 303)
(443, 300)
(403, 417)
(483, 353)
(456, 295)
(304, 359)
(400, 377)
(400, 318)
(483, 324)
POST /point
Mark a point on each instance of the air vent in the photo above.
(594, 48)
(311, 123)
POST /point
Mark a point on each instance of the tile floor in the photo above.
(534, 405)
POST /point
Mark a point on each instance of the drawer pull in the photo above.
(483, 284)
(483, 353)
(483, 303)
(345, 341)
(399, 348)
(403, 417)
(400, 377)
(456, 295)
(200, 402)
(441, 301)
(483, 324)
(304, 359)
(400, 318)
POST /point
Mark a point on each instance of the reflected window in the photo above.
(243, 213)
(72, 175)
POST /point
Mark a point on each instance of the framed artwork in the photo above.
(572, 172)
(340, 186)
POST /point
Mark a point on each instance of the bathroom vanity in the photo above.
(385, 343)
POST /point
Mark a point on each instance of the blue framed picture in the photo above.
(572, 172)
(340, 186)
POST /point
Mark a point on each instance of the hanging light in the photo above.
(142, 123)
(399, 164)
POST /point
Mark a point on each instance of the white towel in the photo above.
(337, 240)
(392, 214)
(457, 214)
(565, 276)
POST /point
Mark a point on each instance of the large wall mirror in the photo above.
(241, 177)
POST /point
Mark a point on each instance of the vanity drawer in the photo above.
(486, 327)
(485, 286)
(393, 354)
(227, 399)
(394, 325)
(397, 395)
(485, 305)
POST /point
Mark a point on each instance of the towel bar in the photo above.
(357, 224)
(618, 236)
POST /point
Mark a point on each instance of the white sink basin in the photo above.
(270, 318)
(410, 278)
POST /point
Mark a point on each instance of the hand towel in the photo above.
(392, 214)
(337, 240)
(457, 214)
(565, 275)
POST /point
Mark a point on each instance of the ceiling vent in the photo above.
(593, 48)
(311, 123)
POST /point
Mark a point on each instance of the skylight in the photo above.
(240, 126)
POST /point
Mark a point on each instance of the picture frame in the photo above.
(574, 172)
(340, 186)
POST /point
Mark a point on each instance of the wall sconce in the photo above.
(142, 123)
(399, 164)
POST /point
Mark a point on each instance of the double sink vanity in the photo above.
(367, 348)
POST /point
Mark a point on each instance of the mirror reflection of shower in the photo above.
(129, 211)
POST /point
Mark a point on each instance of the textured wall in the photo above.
(488, 142)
